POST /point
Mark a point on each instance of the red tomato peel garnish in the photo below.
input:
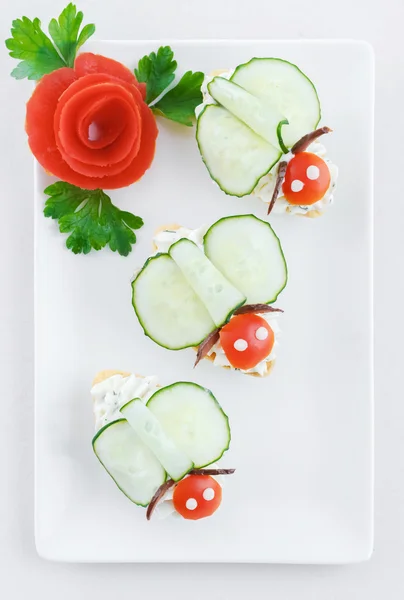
(90, 125)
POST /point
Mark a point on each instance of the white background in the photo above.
(22, 573)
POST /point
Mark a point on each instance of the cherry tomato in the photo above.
(246, 340)
(197, 497)
(307, 179)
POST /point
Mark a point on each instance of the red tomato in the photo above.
(246, 340)
(307, 179)
(197, 497)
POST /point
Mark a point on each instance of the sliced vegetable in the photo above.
(248, 252)
(287, 89)
(168, 309)
(219, 296)
(148, 428)
(51, 126)
(88, 63)
(282, 146)
(130, 463)
(194, 420)
(247, 340)
(197, 497)
(306, 180)
(235, 156)
(260, 116)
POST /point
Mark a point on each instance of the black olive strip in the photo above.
(206, 345)
(256, 308)
(307, 139)
(212, 471)
(157, 496)
(279, 178)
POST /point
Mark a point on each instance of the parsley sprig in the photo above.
(40, 55)
(91, 219)
(157, 71)
(178, 103)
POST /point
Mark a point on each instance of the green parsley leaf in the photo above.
(65, 33)
(33, 47)
(156, 71)
(180, 102)
(91, 219)
(35, 50)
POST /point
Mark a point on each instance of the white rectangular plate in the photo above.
(302, 438)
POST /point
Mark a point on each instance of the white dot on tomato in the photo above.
(313, 172)
(240, 345)
(191, 504)
(297, 185)
(208, 494)
(261, 333)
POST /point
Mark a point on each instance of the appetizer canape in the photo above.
(252, 118)
(211, 289)
(161, 444)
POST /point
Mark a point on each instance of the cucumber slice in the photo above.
(130, 463)
(235, 156)
(148, 428)
(168, 309)
(260, 116)
(194, 420)
(287, 89)
(219, 296)
(248, 252)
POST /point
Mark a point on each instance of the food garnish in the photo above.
(91, 219)
(91, 122)
(162, 490)
(157, 71)
(207, 345)
(305, 178)
(38, 53)
(212, 471)
(302, 144)
(256, 308)
(247, 340)
(281, 171)
(197, 497)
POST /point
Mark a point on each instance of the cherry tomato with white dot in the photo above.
(247, 340)
(197, 497)
(306, 180)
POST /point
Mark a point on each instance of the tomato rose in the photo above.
(90, 125)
